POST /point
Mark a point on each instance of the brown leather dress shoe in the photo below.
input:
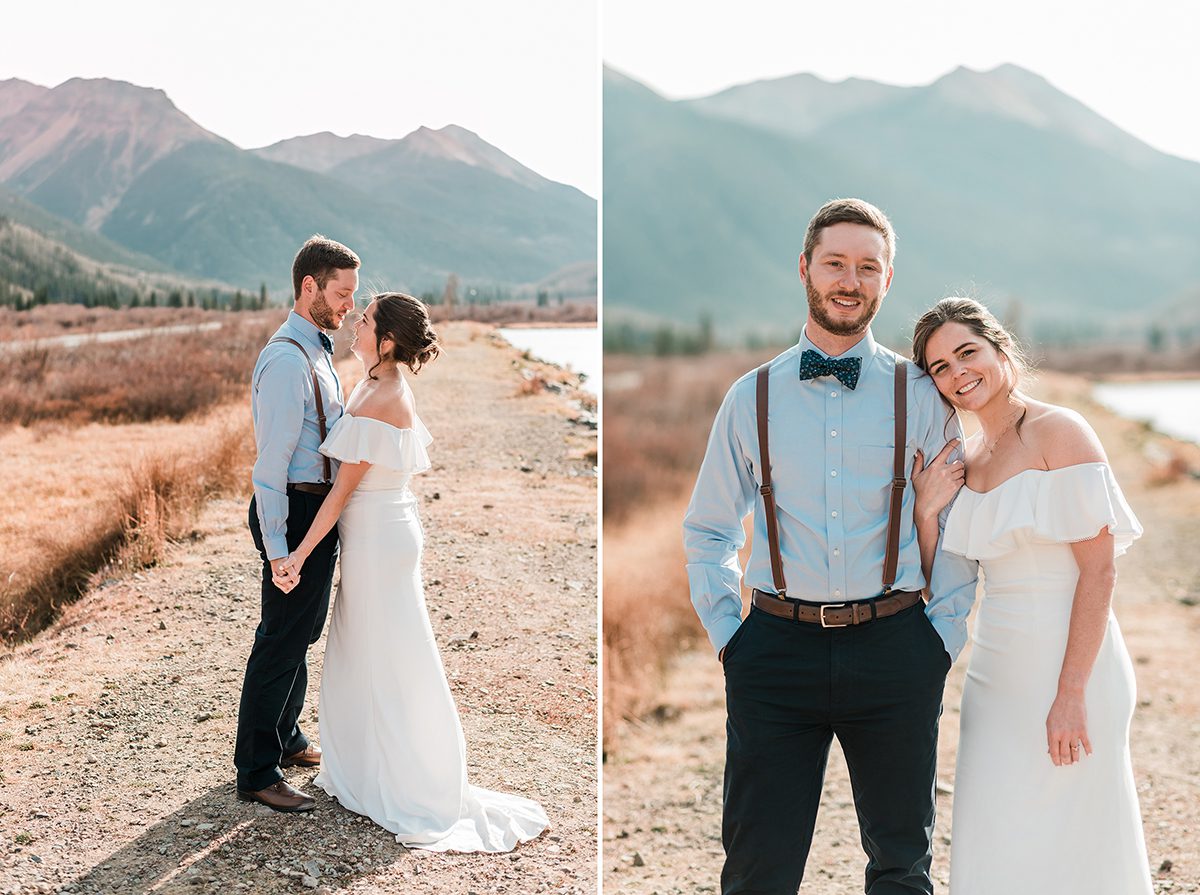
(280, 796)
(308, 757)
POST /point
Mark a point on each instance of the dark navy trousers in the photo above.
(277, 670)
(790, 688)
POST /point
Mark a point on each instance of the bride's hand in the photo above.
(286, 572)
(1066, 730)
(936, 484)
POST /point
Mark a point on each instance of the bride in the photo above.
(392, 743)
(1044, 800)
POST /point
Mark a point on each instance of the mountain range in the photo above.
(122, 163)
(999, 185)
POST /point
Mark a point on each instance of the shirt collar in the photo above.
(865, 348)
(308, 331)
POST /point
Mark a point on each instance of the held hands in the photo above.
(1066, 730)
(936, 484)
(285, 573)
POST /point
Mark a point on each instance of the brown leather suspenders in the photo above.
(767, 491)
(892, 553)
(317, 392)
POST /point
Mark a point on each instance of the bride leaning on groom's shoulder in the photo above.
(872, 519)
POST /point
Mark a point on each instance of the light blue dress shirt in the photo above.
(831, 468)
(286, 430)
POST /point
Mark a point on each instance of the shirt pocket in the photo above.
(873, 478)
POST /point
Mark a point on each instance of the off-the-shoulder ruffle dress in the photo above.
(1022, 825)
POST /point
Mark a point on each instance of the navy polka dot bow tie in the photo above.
(846, 369)
(327, 344)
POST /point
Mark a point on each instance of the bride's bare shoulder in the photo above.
(387, 402)
(1062, 436)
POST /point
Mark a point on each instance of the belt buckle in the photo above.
(825, 624)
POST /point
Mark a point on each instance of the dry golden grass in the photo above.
(81, 501)
(159, 377)
(47, 321)
(657, 416)
(111, 451)
(647, 615)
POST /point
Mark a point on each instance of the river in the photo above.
(577, 347)
(1172, 406)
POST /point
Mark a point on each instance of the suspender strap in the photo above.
(892, 556)
(317, 392)
(899, 480)
(768, 493)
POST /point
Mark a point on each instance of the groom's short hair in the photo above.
(849, 211)
(319, 258)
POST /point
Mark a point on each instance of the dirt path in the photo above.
(116, 726)
(662, 789)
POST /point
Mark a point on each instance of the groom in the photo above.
(838, 641)
(296, 398)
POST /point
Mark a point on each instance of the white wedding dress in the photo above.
(392, 744)
(1022, 825)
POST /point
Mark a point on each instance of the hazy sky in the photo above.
(1137, 65)
(521, 74)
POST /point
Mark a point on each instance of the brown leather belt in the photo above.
(321, 488)
(835, 615)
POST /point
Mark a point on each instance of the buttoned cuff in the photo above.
(721, 631)
(277, 547)
(952, 634)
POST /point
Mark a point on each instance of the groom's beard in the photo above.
(322, 314)
(857, 326)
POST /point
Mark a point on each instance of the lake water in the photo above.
(577, 347)
(1172, 406)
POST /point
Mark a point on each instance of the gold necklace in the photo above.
(988, 448)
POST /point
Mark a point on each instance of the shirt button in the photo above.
(833, 432)
(837, 592)
(833, 394)
(837, 551)
(834, 473)
(834, 514)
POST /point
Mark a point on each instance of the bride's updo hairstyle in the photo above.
(979, 320)
(404, 320)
